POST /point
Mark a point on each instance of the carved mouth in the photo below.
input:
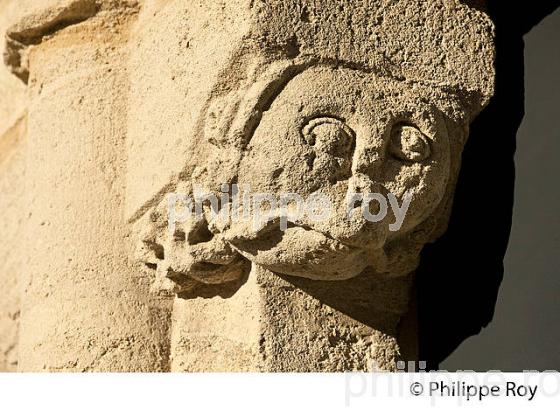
(301, 251)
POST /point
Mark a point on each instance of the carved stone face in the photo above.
(282, 108)
(338, 132)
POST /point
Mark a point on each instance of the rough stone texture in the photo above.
(354, 79)
(12, 182)
(307, 97)
(85, 304)
(12, 103)
(12, 185)
(131, 101)
(281, 323)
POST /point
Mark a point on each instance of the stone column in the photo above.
(86, 305)
(277, 323)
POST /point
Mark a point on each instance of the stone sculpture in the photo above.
(306, 97)
(334, 131)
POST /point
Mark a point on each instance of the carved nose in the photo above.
(368, 156)
(361, 183)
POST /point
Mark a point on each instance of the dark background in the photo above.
(525, 331)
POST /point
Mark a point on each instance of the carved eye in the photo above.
(329, 135)
(409, 144)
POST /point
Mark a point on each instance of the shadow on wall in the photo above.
(460, 275)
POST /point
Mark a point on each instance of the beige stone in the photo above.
(12, 182)
(130, 103)
(85, 305)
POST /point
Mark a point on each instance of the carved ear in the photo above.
(232, 118)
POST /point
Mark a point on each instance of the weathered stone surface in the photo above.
(204, 57)
(288, 77)
(85, 305)
(309, 97)
(281, 323)
(12, 182)
(12, 91)
(132, 101)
